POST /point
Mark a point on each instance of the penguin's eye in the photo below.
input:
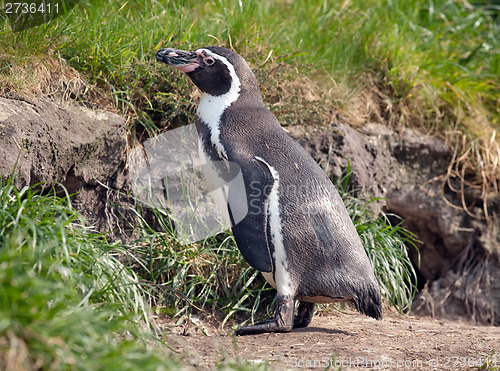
(209, 61)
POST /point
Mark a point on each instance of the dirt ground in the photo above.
(344, 341)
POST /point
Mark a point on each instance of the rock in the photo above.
(52, 141)
(336, 149)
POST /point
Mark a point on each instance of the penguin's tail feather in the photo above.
(368, 301)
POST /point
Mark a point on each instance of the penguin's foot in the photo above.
(282, 321)
(304, 315)
(262, 327)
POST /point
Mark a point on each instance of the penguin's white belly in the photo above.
(269, 278)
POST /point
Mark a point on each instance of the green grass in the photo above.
(66, 302)
(491, 361)
(210, 276)
(415, 50)
(65, 248)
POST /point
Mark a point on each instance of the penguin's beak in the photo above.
(182, 60)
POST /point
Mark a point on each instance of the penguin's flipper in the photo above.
(250, 232)
(282, 321)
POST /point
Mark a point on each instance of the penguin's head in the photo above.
(214, 70)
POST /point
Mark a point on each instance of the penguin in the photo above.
(297, 231)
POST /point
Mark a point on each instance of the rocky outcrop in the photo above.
(460, 247)
(52, 141)
(46, 140)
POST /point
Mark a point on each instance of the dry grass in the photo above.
(49, 76)
(476, 165)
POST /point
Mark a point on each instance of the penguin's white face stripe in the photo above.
(212, 107)
(281, 274)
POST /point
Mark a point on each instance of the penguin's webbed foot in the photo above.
(282, 321)
(304, 315)
(262, 327)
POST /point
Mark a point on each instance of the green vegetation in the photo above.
(415, 52)
(210, 276)
(66, 302)
(67, 292)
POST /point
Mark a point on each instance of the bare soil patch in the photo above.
(346, 341)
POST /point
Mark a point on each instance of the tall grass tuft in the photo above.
(210, 276)
(64, 247)
(67, 303)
